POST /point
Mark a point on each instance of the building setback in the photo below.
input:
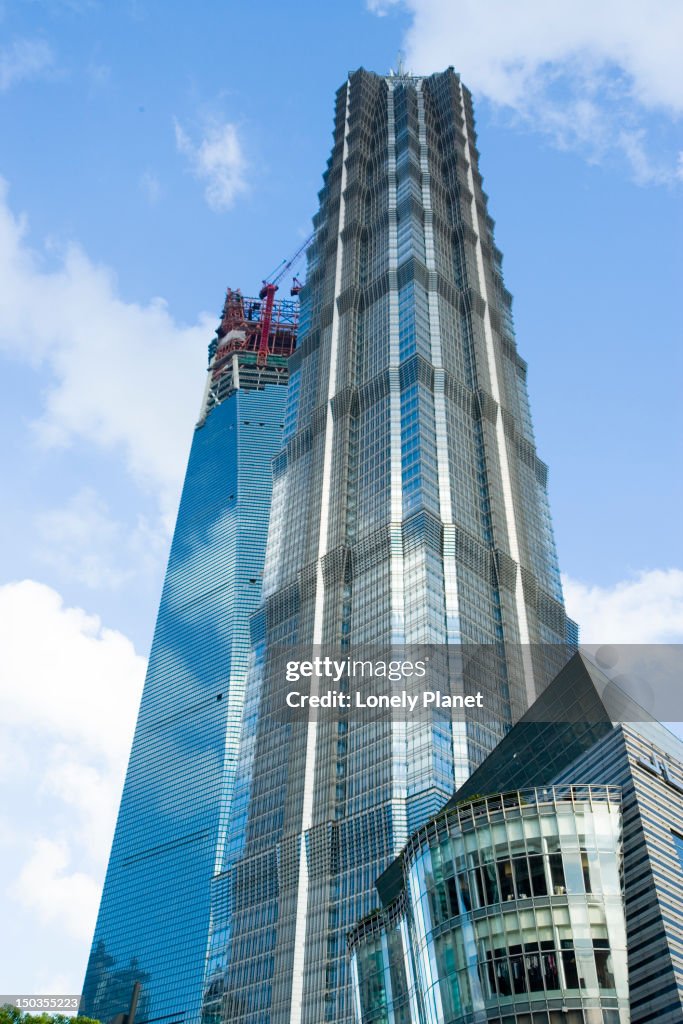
(409, 507)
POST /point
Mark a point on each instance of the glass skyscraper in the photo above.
(155, 911)
(409, 507)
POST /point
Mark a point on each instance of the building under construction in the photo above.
(159, 894)
(255, 338)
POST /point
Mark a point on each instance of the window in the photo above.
(507, 891)
(522, 878)
(557, 874)
(538, 879)
(678, 844)
(586, 873)
(603, 963)
(571, 975)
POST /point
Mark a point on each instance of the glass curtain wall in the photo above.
(511, 911)
(409, 507)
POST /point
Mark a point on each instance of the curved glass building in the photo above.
(505, 909)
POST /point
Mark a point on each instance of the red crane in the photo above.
(267, 293)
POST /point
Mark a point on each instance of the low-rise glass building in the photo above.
(505, 909)
(585, 728)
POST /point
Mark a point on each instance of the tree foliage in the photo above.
(12, 1015)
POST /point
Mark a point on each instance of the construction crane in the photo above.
(267, 294)
(262, 329)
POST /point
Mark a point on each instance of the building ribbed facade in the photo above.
(409, 507)
(646, 761)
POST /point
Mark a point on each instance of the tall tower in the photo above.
(153, 922)
(409, 507)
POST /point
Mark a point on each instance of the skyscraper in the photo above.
(409, 507)
(154, 916)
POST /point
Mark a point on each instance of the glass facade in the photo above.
(155, 912)
(409, 507)
(576, 733)
(510, 911)
(647, 762)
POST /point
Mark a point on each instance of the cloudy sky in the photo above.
(149, 157)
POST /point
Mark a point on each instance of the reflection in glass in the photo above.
(524, 938)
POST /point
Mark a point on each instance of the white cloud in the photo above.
(634, 630)
(591, 75)
(72, 6)
(646, 609)
(60, 669)
(217, 160)
(120, 375)
(151, 187)
(56, 895)
(24, 60)
(98, 75)
(82, 541)
(89, 794)
(85, 544)
(69, 688)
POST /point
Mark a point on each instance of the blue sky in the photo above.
(151, 155)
